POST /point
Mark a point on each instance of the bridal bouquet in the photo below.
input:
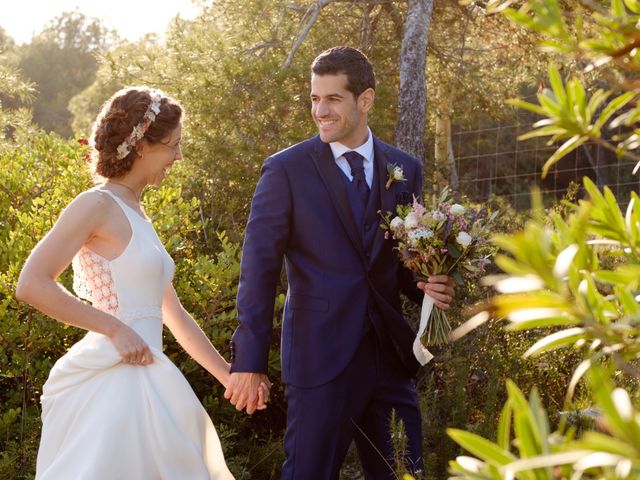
(443, 238)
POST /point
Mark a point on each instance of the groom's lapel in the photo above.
(330, 174)
(387, 197)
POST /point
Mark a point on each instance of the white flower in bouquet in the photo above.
(416, 235)
(396, 224)
(464, 239)
(457, 209)
(411, 221)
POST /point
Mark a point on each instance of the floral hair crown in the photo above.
(140, 129)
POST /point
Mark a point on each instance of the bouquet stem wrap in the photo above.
(423, 355)
(434, 325)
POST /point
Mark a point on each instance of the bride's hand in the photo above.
(132, 348)
(263, 395)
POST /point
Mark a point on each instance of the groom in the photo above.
(347, 358)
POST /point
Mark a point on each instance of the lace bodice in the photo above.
(92, 281)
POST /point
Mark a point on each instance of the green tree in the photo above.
(14, 89)
(140, 57)
(61, 61)
(6, 42)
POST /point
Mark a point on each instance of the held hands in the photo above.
(440, 288)
(247, 390)
(133, 349)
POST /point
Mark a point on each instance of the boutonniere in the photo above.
(396, 174)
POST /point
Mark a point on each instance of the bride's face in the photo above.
(158, 158)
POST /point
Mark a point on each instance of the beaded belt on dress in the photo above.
(131, 314)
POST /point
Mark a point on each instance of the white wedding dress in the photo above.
(107, 420)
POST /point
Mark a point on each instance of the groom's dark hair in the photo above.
(350, 61)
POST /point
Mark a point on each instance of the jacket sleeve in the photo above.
(406, 278)
(262, 253)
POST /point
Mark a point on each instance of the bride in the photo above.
(114, 406)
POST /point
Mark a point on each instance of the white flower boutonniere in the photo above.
(396, 174)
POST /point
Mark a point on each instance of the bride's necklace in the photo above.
(135, 197)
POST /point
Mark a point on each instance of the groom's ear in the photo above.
(366, 99)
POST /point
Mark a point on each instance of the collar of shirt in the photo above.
(366, 150)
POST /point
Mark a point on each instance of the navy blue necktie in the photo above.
(356, 162)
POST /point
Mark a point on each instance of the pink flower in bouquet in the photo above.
(438, 216)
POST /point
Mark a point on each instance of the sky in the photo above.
(131, 18)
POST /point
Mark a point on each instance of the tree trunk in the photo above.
(453, 170)
(445, 161)
(412, 101)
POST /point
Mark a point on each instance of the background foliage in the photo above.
(226, 67)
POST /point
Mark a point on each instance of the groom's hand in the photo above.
(242, 390)
(440, 288)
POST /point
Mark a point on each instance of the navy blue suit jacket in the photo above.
(300, 212)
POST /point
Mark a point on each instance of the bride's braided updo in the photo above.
(115, 123)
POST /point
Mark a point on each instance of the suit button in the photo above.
(367, 226)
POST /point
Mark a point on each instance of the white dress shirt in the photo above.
(366, 150)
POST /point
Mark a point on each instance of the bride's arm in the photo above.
(194, 341)
(38, 287)
(37, 283)
(191, 337)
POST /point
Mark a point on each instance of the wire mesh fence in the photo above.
(491, 161)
